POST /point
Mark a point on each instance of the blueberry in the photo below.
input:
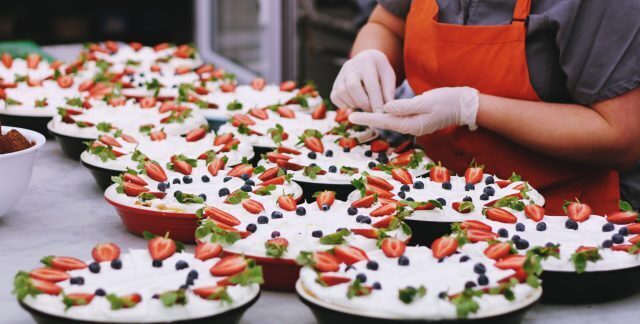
(446, 185)
(542, 226)
(608, 227)
(440, 260)
(549, 244)
(275, 234)
(190, 282)
(245, 176)
(361, 277)
(226, 179)
(223, 192)
(483, 280)
(418, 185)
(489, 180)
(181, 265)
(187, 179)
(489, 191)
(250, 182)
(443, 295)
(346, 149)
(623, 231)
(469, 186)
(116, 264)
(516, 238)
(162, 187)
(479, 268)
(570, 224)
(252, 228)
(263, 219)
(316, 233)
(328, 153)
(467, 198)
(382, 158)
(484, 197)
(203, 196)
(522, 244)
(77, 281)
(607, 243)
(371, 165)
(376, 285)
(312, 155)
(409, 199)
(402, 195)
(94, 267)
(503, 232)
(167, 185)
(520, 227)
(352, 210)
(205, 178)
(313, 165)
(359, 218)
(464, 258)
(372, 265)
(177, 193)
(325, 207)
(442, 201)
(366, 220)
(333, 169)
(301, 211)
(246, 188)
(617, 238)
(469, 285)
(193, 274)
(176, 181)
(276, 214)
(403, 260)
(156, 263)
(100, 292)
(405, 187)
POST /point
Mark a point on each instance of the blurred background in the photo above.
(279, 40)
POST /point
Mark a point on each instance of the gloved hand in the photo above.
(366, 81)
(426, 113)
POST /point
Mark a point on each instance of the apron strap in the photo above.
(521, 11)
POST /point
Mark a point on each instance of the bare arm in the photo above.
(607, 134)
(385, 32)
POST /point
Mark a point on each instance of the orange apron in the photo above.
(493, 60)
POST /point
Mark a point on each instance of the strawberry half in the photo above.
(364, 202)
(373, 190)
(314, 144)
(379, 182)
(325, 198)
(476, 225)
(269, 174)
(161, 247)
(287, 202)
(474, 174)
(444, 246)
(133, 190)
(577, 211)
(349, 254)
(393, 247)
(148, 102)
(240, 169)
(439, 174)
(634, 228)
(64, 263)
(106, 139)
(7, 60)
(196, 134)
(65, 82)
(384, 210)
(211, 293)
(534, 212)
(49, 274)
(332, 280)
(347, 142)
(45, 287)
(379, 146)
(500, 215)
(221, 216)
(401, 175)
(33, 59)
(258, 84)
(228, 266)
(77, 299)
(325, 262)
(371, 233)
(207, 250)
(105, 252)
(216, 165)
(273, 157)
(498, 251)
(287, 86)
(288, 150)
(182, 167)
(286, 112)
(476, 236)
(128, 177)
(320, 112)
(155, 171)
(252, 206)
(383, 223)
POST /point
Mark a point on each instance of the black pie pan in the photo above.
(102, 176)
(309, 188)
(34, 123)
(231, 316)
(71, 146)
(423, 233)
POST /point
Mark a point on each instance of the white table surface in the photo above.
(64, 213)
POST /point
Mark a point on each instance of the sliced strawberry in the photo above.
(240, 169)
(273, 157)
(286, 112)
(86, 85)
(161, 46)
(221, 216)
(136, 46)
(577, 211)
(332, 280)
(252, 206)
(228, 87)
(207, 250)
(364, 202)
(402, 159)
(148, 102)
(623, 217)
(182, 167)
(371, 233)
(259, 113)
(155, 171)
(158, 135)
(349, 254)
(105, 252)
(461, 207)
(130, 300)
(503, 183)
(476, 225)
(65, 81)
(269, 174)
(128, 177)
(33, 59)
(111, 46)
(213, 292)
(477, 235)
(439, 174)
(403, 146)
(288, 150)
(498, 251)
(500, 215)
(216, 165)
(258, 84)
(228, 266)
(106, 139)
(383, 223)
(325, 198)
(287, 86)
(320, 112)
(45, 287)
(634, 228)
(161, 248)
(64, 263)
(196, 134)
(534, 212)
(158, 194)
(314, 144)
(275, 181)
(286, 165)
(223, 139)
(133, 190)
(7, 60)
(513, 262)
(401, 175)
(634, 240)
(325, 262)
(379, 145)
(374, 190)
(444, 246)
(347, 142)
(392, 247)
(384, 210)
(474, 174)
(342, 114)
(49, 274)
(287, 202)
(78, 299)
(379, 182)
(129, 139)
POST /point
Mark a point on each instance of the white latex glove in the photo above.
(426, 113)
(366, 81)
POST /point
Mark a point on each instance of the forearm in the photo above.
(566, 131)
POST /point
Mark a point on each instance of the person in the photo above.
(547, 89)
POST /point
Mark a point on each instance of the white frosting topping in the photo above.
(19, 68)
(139, 276)
(448, 276)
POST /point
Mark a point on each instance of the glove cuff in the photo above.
(469, 103)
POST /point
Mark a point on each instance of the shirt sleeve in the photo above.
(399, 8)
(599, 45)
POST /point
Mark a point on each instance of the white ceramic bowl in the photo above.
(16, 168)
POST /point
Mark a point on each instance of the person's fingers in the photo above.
(374, 92)
(342, 97)
(387, 78)
(384, 121)
(404, 107)
(336, 91)
(355, 89)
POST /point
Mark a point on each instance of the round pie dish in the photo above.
(35, 123)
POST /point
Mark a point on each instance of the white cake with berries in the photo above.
(161, 284)
(417, 285)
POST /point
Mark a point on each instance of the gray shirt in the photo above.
(581, 51)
